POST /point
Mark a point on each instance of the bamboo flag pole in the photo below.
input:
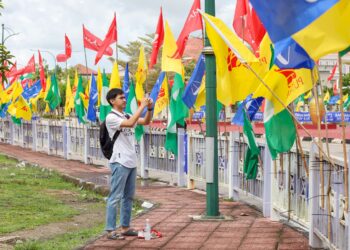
(343, 132)
(281, 102)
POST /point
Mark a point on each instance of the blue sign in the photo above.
(332, 117)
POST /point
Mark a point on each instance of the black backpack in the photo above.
(106, 142)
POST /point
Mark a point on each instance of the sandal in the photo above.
(115, 236)
(130, 232)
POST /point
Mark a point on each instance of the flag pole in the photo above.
(116, 44)
(343, 133)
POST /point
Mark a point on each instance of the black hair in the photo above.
(113, 93)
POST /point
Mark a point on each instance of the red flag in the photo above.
(335, 88)
(158, 40)
(61, 58)
(93, 42)
(68, 46)
(110, 38)
(13, 71)
(247, 25)
(193, 23)
(330, 77)
(27, 69)
(42, 72)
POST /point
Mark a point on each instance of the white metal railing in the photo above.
(282, 188)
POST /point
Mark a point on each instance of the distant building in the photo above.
(194, 47)
(83, 71)
(326, 65)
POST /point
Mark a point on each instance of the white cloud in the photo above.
(43, 23)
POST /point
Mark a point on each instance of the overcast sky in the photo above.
(41, 24)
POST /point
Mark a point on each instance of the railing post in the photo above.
(86, 144)
(64, 139)
(233, 164)
(314, 241)
(230, 165)
(49, 139)
(348, 218)
(69, 140)
(21, 135)
(143, 170)
(181, 182)
(34, 134)
(267, 192)
(12, 132)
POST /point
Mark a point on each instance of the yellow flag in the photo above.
(162, 99)
(34, 102)
(99, 85)
(328, 33)
(170, 64)
(85, 99)
(308, 95)
(23, 109)
(287, 84)
(20, 109)
(235, 81)
(345, 97)
(326, 97)
(69, 96)
(200, 100)
(115, 78)
(141, 74)
(48, 85)
(12, 92)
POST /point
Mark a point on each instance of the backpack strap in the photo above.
(116, 134)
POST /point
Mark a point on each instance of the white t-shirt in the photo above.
(124, 147)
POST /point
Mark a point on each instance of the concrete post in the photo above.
(233, 166)
(34, 134)
(86, 144)
(49, 139)
(314, 241)
(267, 193)
(181, 180)
(143, 170)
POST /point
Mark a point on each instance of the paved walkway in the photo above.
(247, 230)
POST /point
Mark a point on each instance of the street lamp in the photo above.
(211, 142)
(3, 38)
(50, 53)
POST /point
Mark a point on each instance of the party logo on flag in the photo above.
(232, 60)
(294, 81)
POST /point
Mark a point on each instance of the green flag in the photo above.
(251, 161)
(178, 111)
(279, 129)
(53, 97)
(78, 102)
(344, 52)
(17, 121)
(105, 108)
(131, 107)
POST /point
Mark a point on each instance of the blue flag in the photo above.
(251, 106)
(191, 91)
(32, 91)
(93, 96)
(283, 18)
(155, 91)
(290, 55)
(334, 100)
(126, 81)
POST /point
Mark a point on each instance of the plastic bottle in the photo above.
(147, 233)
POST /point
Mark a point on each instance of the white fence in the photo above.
(282, 188)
